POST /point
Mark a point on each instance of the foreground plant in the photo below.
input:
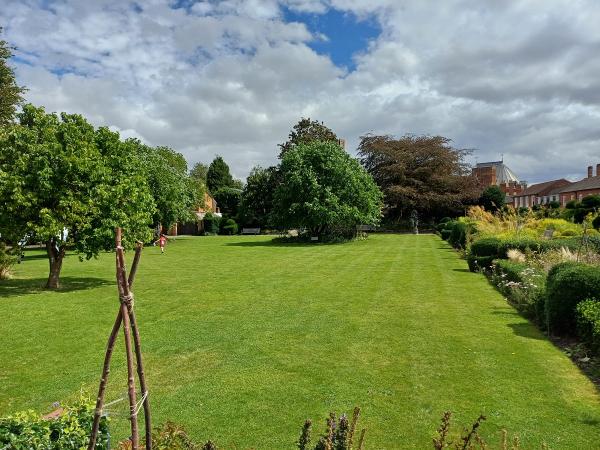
(339, 435)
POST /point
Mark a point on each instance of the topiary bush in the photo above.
(70, 430)
(588, 323)
(568, 284)
(229, 227)
(486, 247)
(445, 234)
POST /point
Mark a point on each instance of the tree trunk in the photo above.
(55, 258)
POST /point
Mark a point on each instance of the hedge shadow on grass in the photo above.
(16, 287)
(528, 330)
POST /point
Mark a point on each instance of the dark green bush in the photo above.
(572, 204)
(458, 233)
(70, 430)
(588, 323)
(229, 227)
(590, 202)
(568, 284)
(596, 222)
(445, 219)
(446, 234)
(523, 244)
(511, 270)
(477, 263)
(211, 223)
(486, 247)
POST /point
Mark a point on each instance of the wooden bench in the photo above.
(250, 230)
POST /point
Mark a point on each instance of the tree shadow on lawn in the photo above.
(15, 287)
(279, 243)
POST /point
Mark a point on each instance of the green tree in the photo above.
(199, 172)
(423, 173)
(70, 186)
(218, 175)
(492, 198)
(305, 132)
(10, 92)
(325, 190)
(228, 200)
(256, 204)
(174, 192)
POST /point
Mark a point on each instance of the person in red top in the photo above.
(162, 241)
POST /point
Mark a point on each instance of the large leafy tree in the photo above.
(10, 92)
(68, 184)
(256, 204)
(325, 190)
(228, 199)
(199, 172)
(422, 173)
(218, 175)
(175, 193)
(305, 132)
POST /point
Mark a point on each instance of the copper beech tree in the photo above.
(422, 173)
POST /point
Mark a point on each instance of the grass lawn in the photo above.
(244, 339)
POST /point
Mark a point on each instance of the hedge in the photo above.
(69, 431)
(568, 284)
(588, 323)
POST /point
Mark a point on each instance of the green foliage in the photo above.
(492, 198)
(568, 284)
(523, 285)
(554, 204)
(446, 233)
(211, 223)
(229, 226)
(458, 233)
(218, 175)
(10, 92)
(6, 262)
(199, 172)
(228, 200)
(174, 193)
(60, 174)
(588, 323)
(590, 202)
(325, 190)
(486, 247)
(307, 131)
(572, 204)
(256, 204)
(596, 223)
(70, 430)
(423, 173)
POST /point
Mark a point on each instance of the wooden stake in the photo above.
(126, 315)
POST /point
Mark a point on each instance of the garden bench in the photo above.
(250, 230)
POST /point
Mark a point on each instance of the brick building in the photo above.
(197, 227)
(580, 189)
(499, 174)
(540, 194)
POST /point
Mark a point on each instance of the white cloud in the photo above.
(232, 77)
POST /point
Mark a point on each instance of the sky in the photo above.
(516, 79)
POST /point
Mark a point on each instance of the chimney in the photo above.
(598, 170)
(590, 171)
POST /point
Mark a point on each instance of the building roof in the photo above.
(583, 185)
(545, 188)
(503, 172)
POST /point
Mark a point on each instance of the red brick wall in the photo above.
(568, 196)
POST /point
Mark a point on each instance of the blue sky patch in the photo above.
(346, 34)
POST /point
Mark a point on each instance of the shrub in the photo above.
(229, 226)
(596, 223)
(339, 434)
(523, 285)
(458, 233)
(588, 323)
(445, 219)
(70, 430)
(211, 223)
(568, 284)
(486, 247)
(6, 262)
(446, 234)
(477, 263)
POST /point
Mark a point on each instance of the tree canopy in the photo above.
(218, 175)
(69, 184)
(10, 92)
(492, 198)
(256, 204)
(174, 192)
(325, 190)
(423, 173)
(305, 132)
